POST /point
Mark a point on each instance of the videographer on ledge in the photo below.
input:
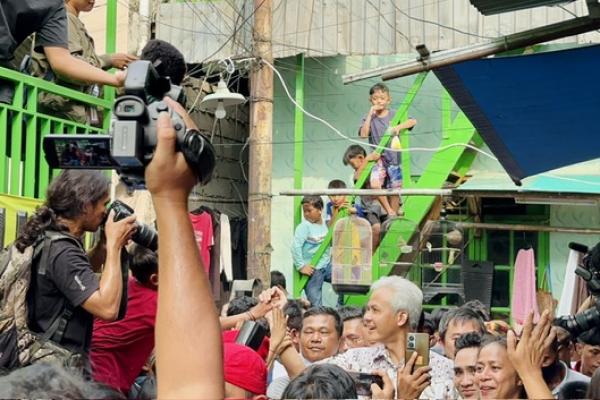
(63, 283)
(48, 20)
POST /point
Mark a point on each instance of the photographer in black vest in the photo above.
(63, 283)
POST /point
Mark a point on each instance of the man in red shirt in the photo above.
(119, 349)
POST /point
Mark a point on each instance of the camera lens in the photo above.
(146, 236)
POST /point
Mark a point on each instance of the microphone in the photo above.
(582, 248)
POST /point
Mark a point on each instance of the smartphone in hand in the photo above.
(364, 382)
(419, 343)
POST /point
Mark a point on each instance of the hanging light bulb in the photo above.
(220, 111)
(220, 99)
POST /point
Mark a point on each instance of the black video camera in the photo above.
(130, 143)
(589, 271)
(144, 235)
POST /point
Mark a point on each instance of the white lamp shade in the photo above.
(221, 95)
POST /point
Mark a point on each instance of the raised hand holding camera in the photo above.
(143, 234)
(119, 232)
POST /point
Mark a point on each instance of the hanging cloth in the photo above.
(225, 240)
(524, 290)
(203, 232)
(565, 304)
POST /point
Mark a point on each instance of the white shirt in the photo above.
(570, 376)
(368, 359)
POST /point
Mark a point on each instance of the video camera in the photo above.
(589, 271)
(130, 143)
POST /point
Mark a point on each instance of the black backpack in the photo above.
(19, 346)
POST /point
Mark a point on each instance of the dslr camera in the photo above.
(129, 145)
(144, 235)
(589, 271)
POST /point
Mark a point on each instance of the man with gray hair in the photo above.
(457, 322)
(392, 312)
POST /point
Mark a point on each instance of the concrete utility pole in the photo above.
(261, 156)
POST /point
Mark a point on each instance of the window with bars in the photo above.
(501, 248)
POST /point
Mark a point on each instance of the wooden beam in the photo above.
(526, 228)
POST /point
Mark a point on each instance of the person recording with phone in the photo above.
(63, 284)
(391, 315)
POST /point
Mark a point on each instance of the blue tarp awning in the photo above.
(536, 112)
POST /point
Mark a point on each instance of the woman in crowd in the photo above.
(496, 376)
(508, 368)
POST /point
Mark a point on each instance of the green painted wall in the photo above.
(343, 106)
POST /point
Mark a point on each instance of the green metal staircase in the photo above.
(451, 162)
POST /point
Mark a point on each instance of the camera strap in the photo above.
(57, 329)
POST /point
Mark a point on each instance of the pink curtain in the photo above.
(524, 289)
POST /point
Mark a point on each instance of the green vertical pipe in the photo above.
(15, 153)
(3, 158)
(298, 155)
(299, 137)
(543, 259)
(16, 134)
(30, 145)
(111, 46)
(405, 162)
(60, 127)
(44, 174)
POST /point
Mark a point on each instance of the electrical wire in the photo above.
(361, 19)
(337, 132)
(410, 43)
(203, 17)
(425, 21)
(227, 41)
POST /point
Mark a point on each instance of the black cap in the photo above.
(590, 337)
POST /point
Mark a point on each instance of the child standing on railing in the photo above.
(308, 237)
(374, 125)
(375, 208)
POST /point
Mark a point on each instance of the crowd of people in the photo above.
(77, 324)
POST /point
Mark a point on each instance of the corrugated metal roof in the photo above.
(581, 178)
(490, 7)
(347, 27)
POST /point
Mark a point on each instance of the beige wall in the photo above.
(95, 22)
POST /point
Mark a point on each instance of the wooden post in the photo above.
(261, 158)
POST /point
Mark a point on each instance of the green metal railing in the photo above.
(453, 157)
(23, 167)
(401, 114)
